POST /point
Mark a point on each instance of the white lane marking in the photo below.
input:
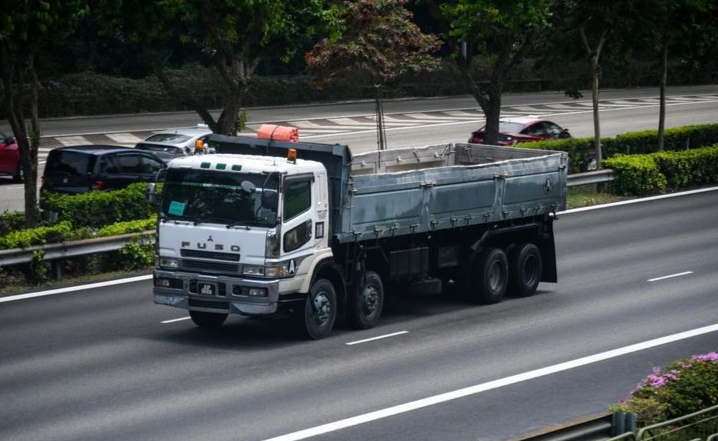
(376, 338)
(473, 390)
(74, 288)
(671, 276)
(175, 320)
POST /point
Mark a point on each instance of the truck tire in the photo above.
(207, 320)
(320, 309)
(525, 268)
(489, 278)
(368, 301)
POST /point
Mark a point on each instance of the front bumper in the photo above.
(181, 290)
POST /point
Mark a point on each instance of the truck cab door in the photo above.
(298, 219)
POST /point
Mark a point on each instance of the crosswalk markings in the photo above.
(361, 123)
(73, 140)
(124, 138)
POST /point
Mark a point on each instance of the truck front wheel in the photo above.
(525, 270)
(368, 301)
(320, 309)
(489, 277)
(207, 320)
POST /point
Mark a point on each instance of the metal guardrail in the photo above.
(698, 426)
(55, 252)
(592, 177)
(592, 428)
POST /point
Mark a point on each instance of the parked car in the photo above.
(175, 143)
(523, 129)
(81, 169)
(10, 158)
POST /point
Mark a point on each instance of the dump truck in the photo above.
(312, 232)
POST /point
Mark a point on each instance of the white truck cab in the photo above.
(236, 231)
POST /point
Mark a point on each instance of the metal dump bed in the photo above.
(406, 191)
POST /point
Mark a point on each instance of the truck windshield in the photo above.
(230, 198)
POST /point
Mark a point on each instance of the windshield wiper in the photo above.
(247, 223)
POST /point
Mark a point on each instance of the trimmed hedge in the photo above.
(99, 208)
(654, 173)
(37, 236)
(581, 150)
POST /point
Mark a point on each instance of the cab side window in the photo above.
(297, 198)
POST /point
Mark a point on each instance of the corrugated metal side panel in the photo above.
(414, 201)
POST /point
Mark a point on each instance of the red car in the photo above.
(10, 158)
(523, 129)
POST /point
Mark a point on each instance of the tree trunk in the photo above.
(594, 55)
(596, 120)
(489, 100)
(492, 110)
(662, 105)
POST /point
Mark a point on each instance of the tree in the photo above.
(504, 32)
(663, 35)
(27, 27)
(589, 25)
(376, 38)
(231, 35)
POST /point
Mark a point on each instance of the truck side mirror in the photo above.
(151, 193)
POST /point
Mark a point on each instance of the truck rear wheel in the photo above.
(207, 320)
(489, 277)
(525, 269)
(368, 301)
(320, 309)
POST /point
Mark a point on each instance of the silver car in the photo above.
(173, 143)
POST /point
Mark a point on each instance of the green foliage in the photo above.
(135, 226)
(89, 93)
(682, 388)
(39, 269)
(99, 208)
(11, 221)
(485, 22)
(37, 236)
(580, 151)
(635, 175)
(657, 172)
(136, 255)
(690, 167)
(646, 141)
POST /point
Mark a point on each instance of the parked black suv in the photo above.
(81, 169)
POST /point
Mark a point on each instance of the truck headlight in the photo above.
(276, 271)
(169, 262)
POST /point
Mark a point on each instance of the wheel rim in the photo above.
(370, 300)
(322, 309)
(496, 277)
(531, 270)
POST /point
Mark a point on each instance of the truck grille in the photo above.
(203, 265)
(229, 257)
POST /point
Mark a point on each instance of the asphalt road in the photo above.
(105, 363)
(411, 122)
